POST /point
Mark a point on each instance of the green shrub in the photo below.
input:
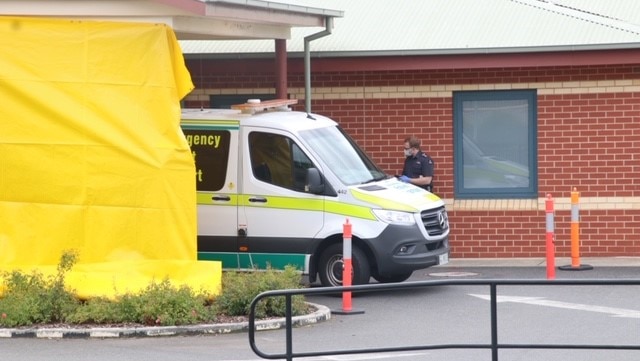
(159, 304)
(33, 299)
(96, 310)
(240, 288)
(163, 304)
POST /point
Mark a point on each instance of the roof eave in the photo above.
(190, 19)
(476, 51)
(440, 59)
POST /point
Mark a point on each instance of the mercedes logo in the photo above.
(442, 220)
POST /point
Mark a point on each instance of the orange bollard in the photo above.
(550, 245)
(348, 266)
(575, 229)
(575, 236)
(347, 270)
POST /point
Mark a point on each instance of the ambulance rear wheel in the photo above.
(331, 264)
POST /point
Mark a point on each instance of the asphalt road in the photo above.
(425, 316)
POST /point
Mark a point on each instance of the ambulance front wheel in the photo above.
(331, 264)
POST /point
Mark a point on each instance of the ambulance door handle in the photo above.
(258, 200)
(221, 198)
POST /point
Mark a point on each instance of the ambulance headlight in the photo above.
(395, 217)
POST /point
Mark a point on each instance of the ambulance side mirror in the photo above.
(314, 182)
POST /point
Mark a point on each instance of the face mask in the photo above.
(407, 153)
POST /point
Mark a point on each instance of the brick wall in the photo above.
(507, 234)
(588, 138)
(593, 139)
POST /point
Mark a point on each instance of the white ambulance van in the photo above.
(275, 188)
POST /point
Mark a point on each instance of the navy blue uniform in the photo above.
(419, 165)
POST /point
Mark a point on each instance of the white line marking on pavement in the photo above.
(369, 356)
(364, 356)
(541, 301)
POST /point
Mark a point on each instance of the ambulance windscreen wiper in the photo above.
(383, 176)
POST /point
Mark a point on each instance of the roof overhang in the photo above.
(190, 19)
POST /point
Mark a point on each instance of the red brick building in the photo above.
(505, 128)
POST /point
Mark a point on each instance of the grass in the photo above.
(32, 299)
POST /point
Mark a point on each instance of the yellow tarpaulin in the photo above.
(92, 158)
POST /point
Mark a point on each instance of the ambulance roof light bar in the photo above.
(253, 106)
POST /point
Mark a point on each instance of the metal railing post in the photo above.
(289, 327)
(494, 321)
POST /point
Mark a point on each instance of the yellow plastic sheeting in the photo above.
(92, 157)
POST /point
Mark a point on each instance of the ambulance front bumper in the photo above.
(401, 249)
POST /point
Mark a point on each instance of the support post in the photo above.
(575, 236)
(347, 270)
(550, 244)
(281, 69)
(348, 266)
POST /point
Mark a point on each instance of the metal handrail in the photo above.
(493, 284)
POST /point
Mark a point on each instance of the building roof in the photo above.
(417, 27)
(190, 19)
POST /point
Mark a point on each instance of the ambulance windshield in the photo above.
(342, 155)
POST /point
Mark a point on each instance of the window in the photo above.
(276, 159)
(495, 144)
(210, 149)
(342, 155)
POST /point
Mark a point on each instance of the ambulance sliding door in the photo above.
(281, 220)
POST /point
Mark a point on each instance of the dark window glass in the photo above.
(210, 149)
(276, 159)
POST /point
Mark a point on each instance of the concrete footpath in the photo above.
(322, 313)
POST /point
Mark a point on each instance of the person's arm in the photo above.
(421, 181)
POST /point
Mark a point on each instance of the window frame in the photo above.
(459, 97)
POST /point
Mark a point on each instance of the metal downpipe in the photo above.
(307, 61)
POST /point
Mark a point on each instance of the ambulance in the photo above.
(276, 187)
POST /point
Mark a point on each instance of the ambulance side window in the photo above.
(300, 165)
(210, 150)
(276, 159)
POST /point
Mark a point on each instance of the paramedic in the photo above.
(418, 165)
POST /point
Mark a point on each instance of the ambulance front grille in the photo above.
(436, 221)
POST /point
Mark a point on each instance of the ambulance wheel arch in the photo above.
(328, 262)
